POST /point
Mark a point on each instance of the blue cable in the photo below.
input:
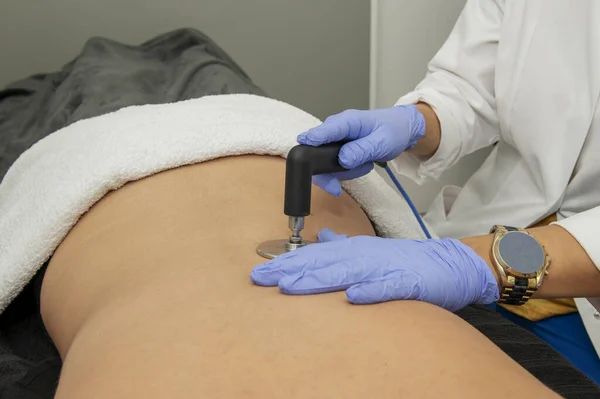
(412, 206)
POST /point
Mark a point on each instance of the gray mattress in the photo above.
(104, 77)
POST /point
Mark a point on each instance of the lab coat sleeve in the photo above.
(459, 86)
(584, 227)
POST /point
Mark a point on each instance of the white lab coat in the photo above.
(526, 76)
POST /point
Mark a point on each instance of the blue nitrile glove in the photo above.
(377, 135)
(443, 272)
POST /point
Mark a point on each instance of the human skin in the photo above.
(571, 274)
(429, 143)
(149, 297)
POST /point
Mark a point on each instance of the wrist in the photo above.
(482, 247)
(429, 142)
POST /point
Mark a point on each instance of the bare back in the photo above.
(149, 297)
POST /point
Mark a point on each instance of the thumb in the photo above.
(327, 235)
(403, 285)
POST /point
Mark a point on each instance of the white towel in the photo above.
(58, 179)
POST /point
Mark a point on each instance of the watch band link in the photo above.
(518, 294)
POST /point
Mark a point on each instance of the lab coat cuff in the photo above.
(583, 227)
(417, 169)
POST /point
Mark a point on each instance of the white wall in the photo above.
(405, 36)
(311, 53)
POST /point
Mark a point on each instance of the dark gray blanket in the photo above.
(107, 76)
(104, 77)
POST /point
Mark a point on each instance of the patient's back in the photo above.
(149, 297)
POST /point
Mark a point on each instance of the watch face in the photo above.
(521, 252)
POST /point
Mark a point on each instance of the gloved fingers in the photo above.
(331, 130)
(311, 257)
(265, 278)
(357, 172)
(269, 273)
(326, 235)
(308, 283)
(335, 277)
(400, 285)
(377, 146)
(329, 183)
(343, 126)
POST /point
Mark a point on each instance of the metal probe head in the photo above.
(274, 248)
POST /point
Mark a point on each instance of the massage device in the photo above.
(303, 162)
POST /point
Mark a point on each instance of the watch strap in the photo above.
(517, 294)
(497, 227)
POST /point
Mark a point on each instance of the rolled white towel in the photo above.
(58, 179)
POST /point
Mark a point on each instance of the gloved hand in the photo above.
(443, 272)
(377, 135)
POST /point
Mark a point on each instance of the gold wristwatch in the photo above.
(521, 262)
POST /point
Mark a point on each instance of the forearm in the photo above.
(571, 274)
(428, 145)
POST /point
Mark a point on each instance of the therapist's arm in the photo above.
(571, 274)
(460, 88)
